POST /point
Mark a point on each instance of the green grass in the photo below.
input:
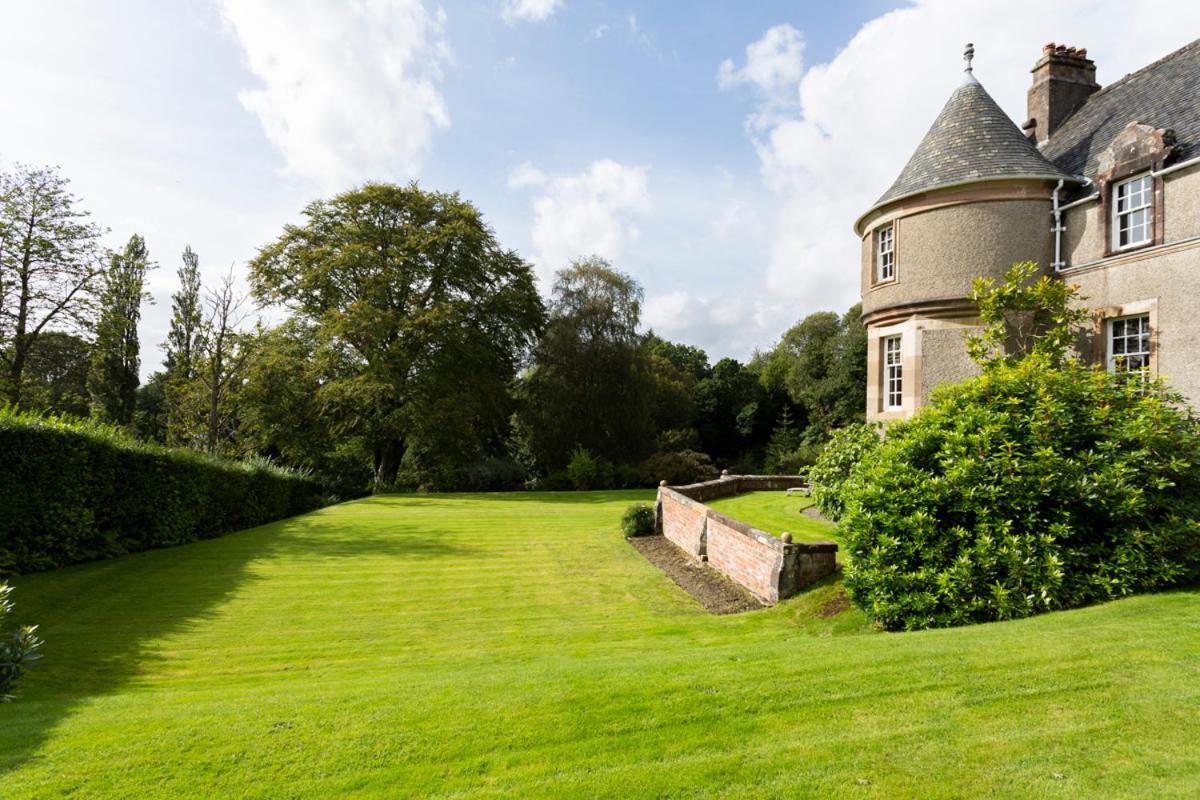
(777, 513)
(499, 646)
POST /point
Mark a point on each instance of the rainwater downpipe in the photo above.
(1058, 228)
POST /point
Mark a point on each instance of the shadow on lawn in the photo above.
(569, 498)
(102, 620)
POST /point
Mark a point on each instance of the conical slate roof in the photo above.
(971, 140)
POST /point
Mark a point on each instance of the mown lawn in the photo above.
(777, 513)
(500, 646)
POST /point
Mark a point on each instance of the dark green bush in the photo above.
(587, 472)
(557, 481)
(828, 475)
(1029, 488)
(18, 648)
(677, 469)
(491, 475)
(796, 461)
(77, 491)
(638, 520)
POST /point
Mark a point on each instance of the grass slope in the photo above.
(498, 646)
(776, 513)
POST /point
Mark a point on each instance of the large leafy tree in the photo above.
(735, 413)
(116, 359)
(822, 363)
(49, 257)
(589, 385)
(420, 320)
(56, 374)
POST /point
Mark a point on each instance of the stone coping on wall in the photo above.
(767, 565)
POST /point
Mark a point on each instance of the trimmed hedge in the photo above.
(78, 491)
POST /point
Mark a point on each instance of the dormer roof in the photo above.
(972, 140)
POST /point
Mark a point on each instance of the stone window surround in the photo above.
(894, 226)
(893, 372)
(1101, 318)
(910, 362)
(1123, 165)
(1114, 225)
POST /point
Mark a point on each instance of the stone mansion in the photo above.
(1101, 186)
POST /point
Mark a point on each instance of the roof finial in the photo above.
(968, 54)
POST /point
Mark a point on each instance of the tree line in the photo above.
(415, 352)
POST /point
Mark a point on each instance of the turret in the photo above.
(974, 197)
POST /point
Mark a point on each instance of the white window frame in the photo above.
(1139, 204)
(885, 253)
(893, 373)
(1139, 339)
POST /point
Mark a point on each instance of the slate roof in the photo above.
(1165, 94)
(971, 140)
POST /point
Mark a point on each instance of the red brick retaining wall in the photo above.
(769, 567)
(683, 521)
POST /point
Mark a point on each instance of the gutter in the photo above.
(1181, 165)
(1191, 162)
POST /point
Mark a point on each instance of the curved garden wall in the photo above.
(766, 565)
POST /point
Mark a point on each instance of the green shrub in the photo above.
(491, 475)
(556, 481)
(677, 469)
(585, 471)
(77, 491)
(828, 475)
(626, 476)
(18, 648)
(638, 520)
(796, 461)
(1029, 488)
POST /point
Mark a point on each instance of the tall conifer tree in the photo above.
(184, 338)
(113, 378)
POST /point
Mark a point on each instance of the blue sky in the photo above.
(717, 151)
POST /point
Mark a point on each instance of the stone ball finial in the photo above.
(724, 473)
(662, 483)
(786, 538)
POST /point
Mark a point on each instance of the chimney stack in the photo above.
(1063, 79)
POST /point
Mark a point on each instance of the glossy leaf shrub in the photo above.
(1030, 488)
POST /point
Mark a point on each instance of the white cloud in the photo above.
(736, 219)
(589, 213)
(856, 119)
(349, 90)
(515, 11)
(774, 63)
(736, 322)
(525, 175)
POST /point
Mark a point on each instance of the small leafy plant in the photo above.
(638, 520)
(18, 650)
